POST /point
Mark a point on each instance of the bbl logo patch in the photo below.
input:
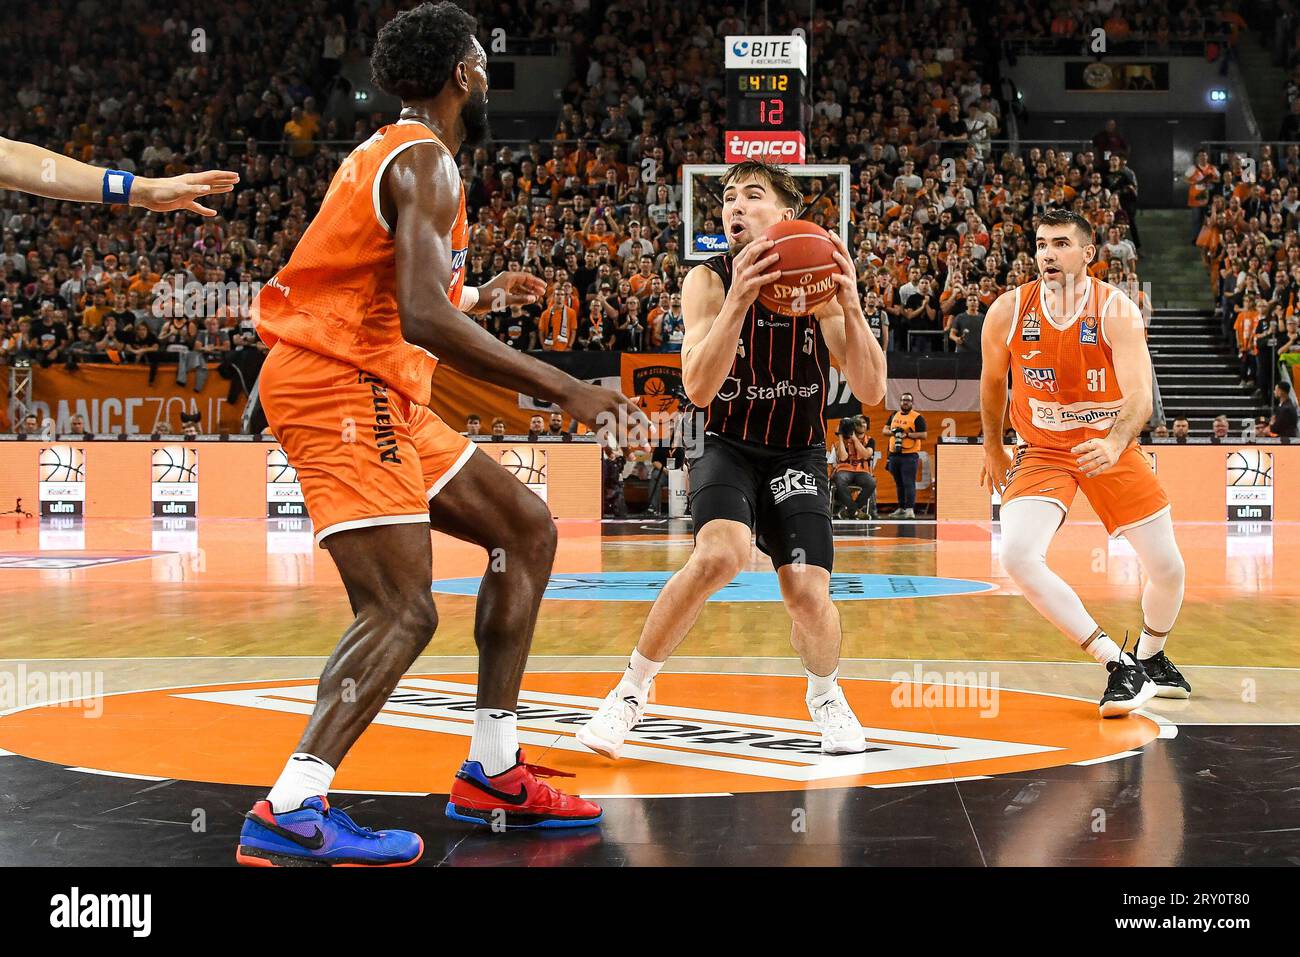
(1044, 380)
(1030, 327)
(1088, 331)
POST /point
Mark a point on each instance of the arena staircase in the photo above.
(1264, 84)
(1196, 371)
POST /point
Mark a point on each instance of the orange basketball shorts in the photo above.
(1125, 495)
(365, 454)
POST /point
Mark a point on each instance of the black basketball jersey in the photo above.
(775, 393)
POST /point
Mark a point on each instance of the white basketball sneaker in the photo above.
(619, 714)
(841, 731)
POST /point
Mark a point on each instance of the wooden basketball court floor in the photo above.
(155, 674)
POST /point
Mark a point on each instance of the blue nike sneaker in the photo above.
(317, 835)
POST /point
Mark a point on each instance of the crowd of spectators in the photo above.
(940, 216)
(1248, 231)
(1151, 26)
(1285, 40)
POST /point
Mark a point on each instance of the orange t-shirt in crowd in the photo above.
(337, 295)
(557, 328)
(638, 283)
(592, 240)
(1246, 323)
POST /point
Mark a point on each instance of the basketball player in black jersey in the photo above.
(758, 381)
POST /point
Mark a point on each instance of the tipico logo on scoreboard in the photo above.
(283, 492)
(788, 52)
(62, 481)
(782, 148)
(174, 482)
(1250, 485)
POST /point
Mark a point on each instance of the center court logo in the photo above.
(703, 733)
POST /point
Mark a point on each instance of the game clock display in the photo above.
(766, 100)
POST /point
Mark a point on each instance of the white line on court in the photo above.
(119, 774)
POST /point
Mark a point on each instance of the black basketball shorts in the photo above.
(783, 495)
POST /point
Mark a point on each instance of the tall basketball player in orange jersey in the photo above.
(1080, 393)
(371, 293)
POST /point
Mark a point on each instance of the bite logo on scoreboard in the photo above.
(1250, 485)
(528, 465)
(62, 481)
(174, 482)
(283, 491)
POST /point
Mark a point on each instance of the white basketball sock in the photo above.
(820, 686)
(640, 672)
(1149, 644)
(495, 743)
(304, 776)
(1101, 646)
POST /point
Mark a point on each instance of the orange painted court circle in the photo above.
(703, 734)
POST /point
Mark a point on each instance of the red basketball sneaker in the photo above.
(516, 799)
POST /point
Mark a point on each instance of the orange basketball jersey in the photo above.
(337, 295)
(1063, 388)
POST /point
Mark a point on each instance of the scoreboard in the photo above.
(767, 98)
(760, 100)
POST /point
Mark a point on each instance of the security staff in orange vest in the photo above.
(906, 429)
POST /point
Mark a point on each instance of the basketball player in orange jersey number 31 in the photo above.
(1080, 393)
(371, 293)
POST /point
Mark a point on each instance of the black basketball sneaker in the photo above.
(1129, 687)
(1169, 681)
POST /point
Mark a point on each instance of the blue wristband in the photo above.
(117, 186)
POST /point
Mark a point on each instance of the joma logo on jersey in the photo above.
(1044, 380)
(793, 482)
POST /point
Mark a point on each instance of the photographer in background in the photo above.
(906, 430)
(854, 450)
